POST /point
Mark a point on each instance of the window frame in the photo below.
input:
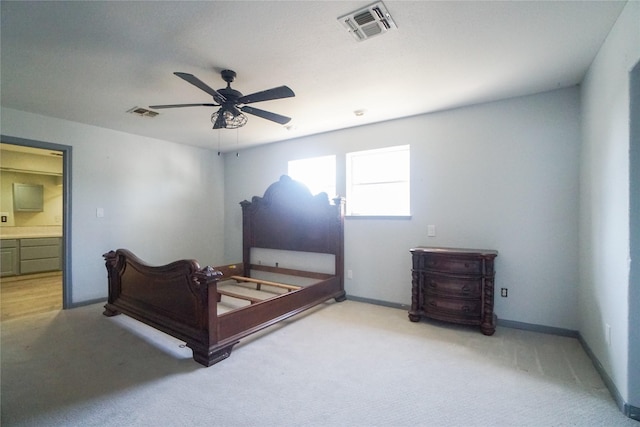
(349, 172)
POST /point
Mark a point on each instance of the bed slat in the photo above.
(265, 282)
(252, 300)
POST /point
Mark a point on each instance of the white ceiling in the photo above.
(90, 62)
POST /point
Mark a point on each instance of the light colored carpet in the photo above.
(340, 364)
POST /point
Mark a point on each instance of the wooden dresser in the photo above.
(453, 285)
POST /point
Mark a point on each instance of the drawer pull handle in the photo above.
(432, 304)
(433, 284)
(466, 289)
(465, 308)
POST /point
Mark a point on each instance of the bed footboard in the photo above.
(178, 299)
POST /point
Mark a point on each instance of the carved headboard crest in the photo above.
(289, 217)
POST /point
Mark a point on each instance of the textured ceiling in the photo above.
(90, 62)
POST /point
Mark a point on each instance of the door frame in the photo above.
(67, 297)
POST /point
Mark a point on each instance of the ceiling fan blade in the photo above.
(158, 107)
(283, 120)
(266, 95)
(202, 86)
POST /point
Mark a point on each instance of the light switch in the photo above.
(99, 212)
(431, 230)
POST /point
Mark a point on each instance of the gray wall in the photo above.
(157, 196)
(604, 203)
(500, 176)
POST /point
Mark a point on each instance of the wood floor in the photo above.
(30, 294)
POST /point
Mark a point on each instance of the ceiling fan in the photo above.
(232, 103)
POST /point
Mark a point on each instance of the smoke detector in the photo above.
(368, 22)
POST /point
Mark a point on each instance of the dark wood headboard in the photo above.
(289, 217)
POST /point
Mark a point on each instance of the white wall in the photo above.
(499, 176)
(161, 200)
(604, 200)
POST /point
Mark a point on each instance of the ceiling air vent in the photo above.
(143, 112)
(369, 22)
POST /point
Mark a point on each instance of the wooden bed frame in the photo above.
(181, 298)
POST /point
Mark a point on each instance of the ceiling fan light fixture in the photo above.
(228, 120)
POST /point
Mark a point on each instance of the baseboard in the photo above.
(88, 302)
(378, 302)
(538, 328)
(628, 410)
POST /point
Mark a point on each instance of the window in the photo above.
(378, 182)
(317, 173)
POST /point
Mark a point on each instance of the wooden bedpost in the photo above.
(339, 202)
(209, 352)
(246, 237)
(111, 262)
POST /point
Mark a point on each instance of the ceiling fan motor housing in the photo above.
(228, 75)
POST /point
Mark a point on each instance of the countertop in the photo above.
(27, 236)
(36, 232)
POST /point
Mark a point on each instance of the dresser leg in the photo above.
(414, 317)
(489, 328)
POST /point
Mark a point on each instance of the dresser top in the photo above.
(453, 251)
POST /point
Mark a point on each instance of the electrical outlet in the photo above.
(349, 274)
(504, 292)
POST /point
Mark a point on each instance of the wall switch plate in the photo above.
(99, 212)
(431, 230)
(349, 274)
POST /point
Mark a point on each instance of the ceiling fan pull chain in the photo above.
(237, 143)
(218, 142)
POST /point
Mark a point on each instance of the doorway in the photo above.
(57, 218)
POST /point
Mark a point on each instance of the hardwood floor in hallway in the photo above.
(30, 294)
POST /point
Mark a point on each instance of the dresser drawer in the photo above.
(460, 307)
(453, 265)
(449, 286)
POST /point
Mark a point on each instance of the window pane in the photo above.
(381, 167)
(379, 199)
(317, 173)
(378, 182)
